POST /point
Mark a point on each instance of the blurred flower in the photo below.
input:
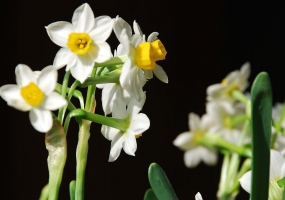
(138, 123)
(279, 144)
(189, 142)
(236, 80)
(83, 41)
(34, 94)
(277, 172)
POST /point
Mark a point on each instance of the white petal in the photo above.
(63, 57)
(83, 19)
(103, 28)
(54, 101)
(194, 122)
(209, 156)
(148, 74)
(119, 109)
(215, 91)
(40, 119)
(108, 132)
(116, 146)
(130, 145)
(137, 28)
(152, 37)
(139, 123)
(245, 70)
(136, 40)
(103, 52)
(192, 158)
(24, 75)
(80, 72)
(136, 83)
(245, 181)
(48, 79)
(120, 50)
(59, 32)
(124, 78)
(125, 41)
(283, 171)
(276, 162)
(121, 24)
(160, 73)
(108, 95)
(198, 196)
(184, 141)
(135, 107)
(11, 94)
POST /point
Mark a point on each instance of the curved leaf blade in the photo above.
(149, 195)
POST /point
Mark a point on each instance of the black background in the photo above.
(205, 40)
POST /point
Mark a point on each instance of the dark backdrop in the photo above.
(205, 40)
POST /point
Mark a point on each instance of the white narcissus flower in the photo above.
(34, 94)
(277, 172)
(222, 114)
(198, 196)
(236, 80)
(82, 41)
(142, 57)
(189, 142)
(138, 123)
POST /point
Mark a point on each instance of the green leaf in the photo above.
(261, 108)
(149, 195)
(56, 145)
(160, 183)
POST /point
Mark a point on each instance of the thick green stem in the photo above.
(81, 159)
(90, 92)
(224, 172)
(44, 193)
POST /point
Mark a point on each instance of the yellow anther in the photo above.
(138, 135)
(79, 43)
(32, 94)
(158, 50)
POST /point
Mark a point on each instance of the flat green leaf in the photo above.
(160, 183)
(56, 145)
(261, 108)
(149, 195)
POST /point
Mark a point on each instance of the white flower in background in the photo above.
(142, 56)
(138, 123)
(222, 114)
(83, 41)
(277, 172)
(198, 196)
(236, 80)
(280, 140)
(189, 142)
(34, 94)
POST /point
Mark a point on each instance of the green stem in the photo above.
(113, 61)
(107, 78)
(44, 193)
(90, 91)
(224, 172)
(216, 141)
(238, 95)
(72, 187)
(120, 124)
(76, 93)
(63, 93)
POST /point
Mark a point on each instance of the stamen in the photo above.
(32, 94)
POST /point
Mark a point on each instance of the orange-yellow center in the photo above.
(32, 94)
(147, 54)
(79, 43)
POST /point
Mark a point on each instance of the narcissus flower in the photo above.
(189, 142)
(142, 57)
(138, 123)
(34, 94)
(83, 41)
(236, 80)
(277, 172)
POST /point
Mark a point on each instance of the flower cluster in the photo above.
(86, 55)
